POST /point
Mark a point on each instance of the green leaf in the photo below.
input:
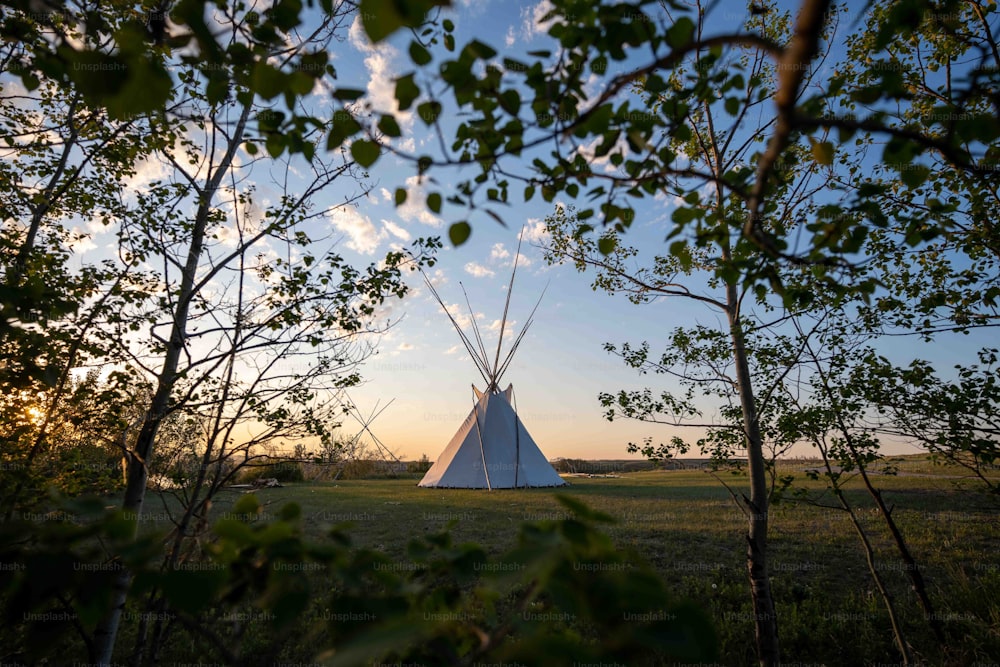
(822, 152)
(582, 511)
(434, 203)
(418, 54)
(406, 91)
(30, 81)
(248, 505)
(290, 512)
(267, 80)
(192, 591)
(429, 112)
(459, 233)
(683, 215)
(344, 125)
(348, 94)
(606, 244)
(400, 196)
(733, 106)
(275, 144)
(510, 100)
(481, 50)
(680, 33)
(655, 84)
(380, 18)
(365, 152)
(233, 530)
(389, 127)
(914, 175)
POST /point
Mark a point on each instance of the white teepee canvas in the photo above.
(492, 449)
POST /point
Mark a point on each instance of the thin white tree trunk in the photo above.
(141, 456)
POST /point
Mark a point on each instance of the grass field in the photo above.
(686, 524)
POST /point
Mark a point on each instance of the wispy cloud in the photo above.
(379, 61)
(397, 231)
(414, 209)
(477, 270)
(535, 231)
(499, 253)
(531, 20)
(362, 235)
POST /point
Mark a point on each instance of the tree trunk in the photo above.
(765, 619)
(140, 457)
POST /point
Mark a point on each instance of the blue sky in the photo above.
(561, 366)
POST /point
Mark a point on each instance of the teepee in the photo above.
(492, 449)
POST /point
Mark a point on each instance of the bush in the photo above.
(421, 466)
(563, 595)
(283, 471)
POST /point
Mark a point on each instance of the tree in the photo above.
(718, 141)
(254, 324)
(589, 37)
(956, 420)
(237, 339)
(65, 176)
(937, 256)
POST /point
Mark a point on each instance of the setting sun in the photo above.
(35, 415)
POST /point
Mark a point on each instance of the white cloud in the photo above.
(408, 144)
(531, 20)
(594, 86)
(396, 230)
(81, 242)
(508, 330)
(362, 236)
(414, 209)
(587, 151)
(460, 313)
(405, 347)
(379, 61)
(147, 171)
(386, 195)
(509, 38)
(536, 232)
(438, 278)
(499, 252)
(478, 270)
(455, 349)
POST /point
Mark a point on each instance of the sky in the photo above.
(561, 366)
(421, 372)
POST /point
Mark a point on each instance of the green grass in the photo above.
(686, 524)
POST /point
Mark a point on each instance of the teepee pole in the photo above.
(520, 336)
(481, 362)
(479, 434)
(506, 308)
(517, 437)
(475, 325)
